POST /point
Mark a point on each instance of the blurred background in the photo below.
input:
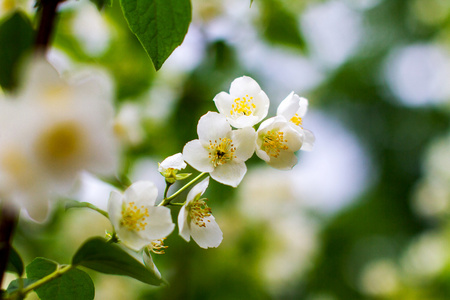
(363, 216)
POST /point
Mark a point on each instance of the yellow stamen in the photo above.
(157, 246)
(296, 120)
(243, 106)
(133, 217)
(198, 210)
(221, 152)
(274, 142)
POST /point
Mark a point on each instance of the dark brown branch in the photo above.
(8, 219)
(46, 23)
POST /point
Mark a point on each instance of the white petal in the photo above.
(286, 160)
(142, 193)
(230, 173)
(212, 126)
(289, 106)
(243, 86)
(207, 237)
(183, 223)
(38, 213)
(197, 190)
(243, 121)
(268, 123)
(159, 223)
(308, 140)
(223, 103)
(172, 162)
(262, 104)
(244, 141)
(263, 155)
(293, 137)
(148, 261)
(303, 103)
(115, 208)
(131, 238)
(197, 156)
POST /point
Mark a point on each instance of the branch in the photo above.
(8, 220)
(46, 23)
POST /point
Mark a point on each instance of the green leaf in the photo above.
(16, 39)
(72, 285)
(160, 25)
(101, 3)
(15, 285)
(99, 255)
(281, 25)
(15, 263)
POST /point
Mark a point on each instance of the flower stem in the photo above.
(167, 200)
(168, 184)
(93, 207)
(60, 270)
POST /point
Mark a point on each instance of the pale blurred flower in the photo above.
(277, 141)
(195, 219)
(127, 124)
(425, 257)
(220, 151)
(9, 6)
(288, 255)
(136, 219)
(91, 29)
(293, 108)
(432, 195)
(245, 105)
(379, 278)
(50, 132)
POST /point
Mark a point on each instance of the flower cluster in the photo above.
(52, 129)
(226, 140)
(222, 152)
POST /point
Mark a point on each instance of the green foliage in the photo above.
(280, 25)
(74, 284)
(17, 284)
(15, 263)
(99, 255)
(101, 3)
(16, 39)
(160, 25)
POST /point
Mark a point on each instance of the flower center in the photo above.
(221, 152)
(243, 106)
(133, 217)
(273, 143)
(296, 120)
(198, 210)
(60, 143)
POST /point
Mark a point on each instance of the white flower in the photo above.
(245, 105)
(220, 151)
(195, 219)
(293, 108)
(170, 166)
(174, 162)
(277, 142)
(135, 217)
(51, 132)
